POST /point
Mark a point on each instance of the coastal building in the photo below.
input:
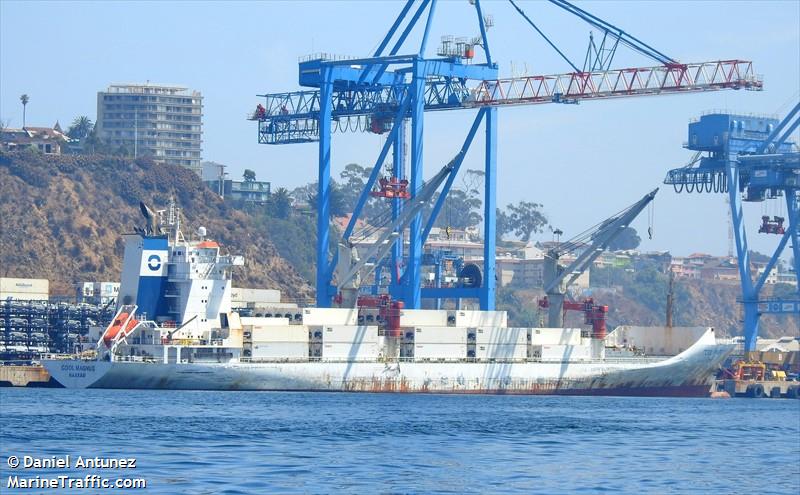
(251, 191)
(47, 140)
(163, 122)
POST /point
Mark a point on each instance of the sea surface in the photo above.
(262, 442)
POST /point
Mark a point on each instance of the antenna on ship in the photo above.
(171, 215)
(174, 218)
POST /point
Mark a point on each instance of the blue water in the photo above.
(257, 442)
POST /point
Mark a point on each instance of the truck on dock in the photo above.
(757, 380)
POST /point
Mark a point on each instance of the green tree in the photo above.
(521, 310)
(472, 181)
(628, 238)
(355, 177)
(81, 128)
(460, 210)
(24, 99)
(93, 143)
(336, 200)
(757, 257)
(280, 203)
(502, 225)
(249, 175)
(526, 219)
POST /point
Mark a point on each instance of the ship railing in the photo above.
(622, 360)
(136, 359)
(49, 356)
(318, 359)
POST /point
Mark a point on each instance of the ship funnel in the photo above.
(144, 273)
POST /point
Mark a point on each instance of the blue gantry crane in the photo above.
(398, 83)
(751, 159)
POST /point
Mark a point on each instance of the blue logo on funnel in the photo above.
(154, 262)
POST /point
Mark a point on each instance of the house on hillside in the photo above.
(250, 191)
(47, 140)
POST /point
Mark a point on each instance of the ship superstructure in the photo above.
(175, 295)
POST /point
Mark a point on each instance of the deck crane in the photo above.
(398, 84)
(557, 279)
(350, 266)
(749, 158)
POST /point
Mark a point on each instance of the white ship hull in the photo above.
(688, 374)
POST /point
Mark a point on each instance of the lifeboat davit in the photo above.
(118, 326)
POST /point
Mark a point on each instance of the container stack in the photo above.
(352, 343)
(501, 343)
(275, 338)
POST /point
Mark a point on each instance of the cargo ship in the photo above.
(174, 328)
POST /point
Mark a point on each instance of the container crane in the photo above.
(558, 279)
(398, 84)
(749, 158)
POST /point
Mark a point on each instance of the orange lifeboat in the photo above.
(117, 326)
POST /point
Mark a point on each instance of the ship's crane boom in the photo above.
(350, 264)
(557, 279)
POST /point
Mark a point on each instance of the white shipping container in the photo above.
(330, 316)
(24, 285)
(556, 336)
(474, 318)
(245, 296)
(352, 350)
(440, 351)
(440, 335)
(106, 289)
(25, 296)
(259, 321)
(87, 289)
(349, 333)
(501, 335)
(274, 307)
(279, 350)
(502, 351)
(423, 318)
(286, 333)
(565, 352)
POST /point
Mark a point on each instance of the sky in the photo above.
(583, 162)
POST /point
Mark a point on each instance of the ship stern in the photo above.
(76, 373)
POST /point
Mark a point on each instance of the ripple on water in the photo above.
(244, 442)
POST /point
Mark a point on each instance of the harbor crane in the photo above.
(398, 83)
(751, 159)
(557, 279)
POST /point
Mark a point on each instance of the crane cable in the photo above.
(534, 26)
(577, 241)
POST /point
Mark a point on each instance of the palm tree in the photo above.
(281, 203)
(80, 128)
(24, 99)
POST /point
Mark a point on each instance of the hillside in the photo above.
(63, 216)
(639, 303)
